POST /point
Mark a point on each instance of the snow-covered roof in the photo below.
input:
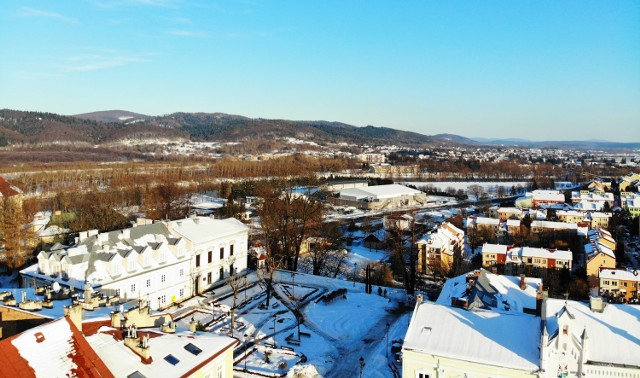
(505, 290)
(379, 191)
(620, 274)
(548, 195)
(518, 253)
(123, 361)
(513, 222)
(554, 225)
(56, 348)
(203, 229)
(613, 334)
(480, 336)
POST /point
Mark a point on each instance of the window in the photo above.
(116, 269)
(209, 277)
(210, 257)
(149, 283)
(118, 292)
(171, 359)
(422, 375)
(182, 292)
(197, 260)
(133, 288)
(221, 273)
(163, 278)
(221, 253)
(193, 349)
(220, 371)
(181, 272)
(163, 299)
(231, 250)
(131, 262)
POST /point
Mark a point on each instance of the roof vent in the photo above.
(426, 331)
(39, 337)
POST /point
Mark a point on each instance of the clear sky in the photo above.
(542, 70)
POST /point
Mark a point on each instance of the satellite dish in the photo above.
(55, 287)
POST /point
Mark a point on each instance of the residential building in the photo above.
(620, 283)
(599, 253)
(489, 225)
(162, 263)
(631, 202)
(57, 348)
(444, 341)
(436, 249)
(546, 197)
(150, 353)
(629, 180)
(587, 200)
(510, 258)
(402, 222)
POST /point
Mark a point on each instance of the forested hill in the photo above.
(37, 127)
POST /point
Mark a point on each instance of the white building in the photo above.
(161, 263)
(592, 340)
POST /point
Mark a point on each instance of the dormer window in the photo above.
(131, 263)
(115, 268)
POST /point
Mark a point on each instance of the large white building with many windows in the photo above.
(160, 263)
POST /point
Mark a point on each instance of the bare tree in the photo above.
(287, 219)
(236, 283)
(16, 233)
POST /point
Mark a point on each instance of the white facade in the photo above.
(152, 262)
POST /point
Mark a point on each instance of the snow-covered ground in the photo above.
(333, 336)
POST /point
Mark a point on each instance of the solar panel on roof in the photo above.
(171, 359)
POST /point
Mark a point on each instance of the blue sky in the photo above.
(542, 70)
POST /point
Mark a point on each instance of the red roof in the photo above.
(88, 364)
(6, 190)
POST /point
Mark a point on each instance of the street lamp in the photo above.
(244, 339)
(386, 345)
(361, 365)
(355, 264)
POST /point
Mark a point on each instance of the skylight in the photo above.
(136, 374)
(171, 359)
(193, 349)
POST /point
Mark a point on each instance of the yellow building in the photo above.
(444, 342)
(599, 253)
(436, 250)
(619, 283)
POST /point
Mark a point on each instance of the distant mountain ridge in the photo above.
(116, 125)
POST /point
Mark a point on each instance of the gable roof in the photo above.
(479, 336)
(6, 189)
(57, 348)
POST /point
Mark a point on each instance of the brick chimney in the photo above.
(523, 285)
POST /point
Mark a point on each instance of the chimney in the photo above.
(74, 312)
(82, 236)
(597, 304)
(539, 301)
(116, 321)
(192, 326)
(91, 233)
(126, 233)
(523, 285)
(419, 298)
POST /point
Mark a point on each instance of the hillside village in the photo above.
(346, 277)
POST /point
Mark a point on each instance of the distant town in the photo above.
(294, 254)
